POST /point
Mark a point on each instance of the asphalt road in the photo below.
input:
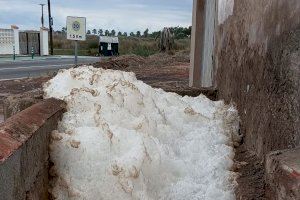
(39, 67)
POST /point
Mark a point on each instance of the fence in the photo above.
(7, 41)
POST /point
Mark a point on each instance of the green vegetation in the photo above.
(141, 43)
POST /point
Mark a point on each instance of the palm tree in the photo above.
(113, 33)
(100, 32)
(146, 33)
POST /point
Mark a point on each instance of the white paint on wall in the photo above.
(6, 41)
(9, 39)
(44, 45)
(16, 40)
(225, 9)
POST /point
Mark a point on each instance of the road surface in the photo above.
(39, 67)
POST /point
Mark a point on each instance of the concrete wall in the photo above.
(209, 43)
(16, 40)
(24, 140)
(283, 174)
(9, 41)
(6, 41)
(44, 44)
(197, 43)
(202, 43)
(256, 65)
(257, 61)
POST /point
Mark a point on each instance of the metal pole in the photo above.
(14, 49)
(50, 28)
(32, 52)
(42, 19)
(76, 52)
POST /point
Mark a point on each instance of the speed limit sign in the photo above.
(76, 28)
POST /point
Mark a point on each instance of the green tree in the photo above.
(132, 34)
(125, 34)
(120, 33)
(106, 33)
(113, 33)
(155, 34)
(64, 29)
(138, 34)
(94, 31)
(88, 32)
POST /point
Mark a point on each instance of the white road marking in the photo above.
(33, 67)
(9, 79)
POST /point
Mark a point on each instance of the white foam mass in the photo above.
(122, 139)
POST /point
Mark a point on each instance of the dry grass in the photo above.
(128, 45)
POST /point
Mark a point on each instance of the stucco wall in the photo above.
(24, 140)
(6, 41)
(44, 44)
(9, 40)
(257, 63)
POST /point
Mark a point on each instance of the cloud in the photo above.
(121, 15)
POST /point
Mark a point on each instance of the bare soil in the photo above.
(251, 175)
(165, 71)
(18, 86)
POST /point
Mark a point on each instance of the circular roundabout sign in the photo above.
(76, 26)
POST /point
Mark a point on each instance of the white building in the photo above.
(23, 42)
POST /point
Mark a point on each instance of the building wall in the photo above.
(9, 41)
(256, 64)
(44, 42)
(16, 39)
(8, 37)
(209, 42)
(197, 43)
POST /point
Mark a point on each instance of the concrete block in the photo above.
(283, 174)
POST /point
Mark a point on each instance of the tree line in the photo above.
(178, 32)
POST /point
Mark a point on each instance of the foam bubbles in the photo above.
(122, 139)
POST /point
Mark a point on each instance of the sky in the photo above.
(120, 15)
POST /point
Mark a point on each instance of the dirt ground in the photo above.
(18, 86)
(251, 175)
(169, 72)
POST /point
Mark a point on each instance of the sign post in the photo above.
(76, 52)
(14, 49)
(76, 30)
(32, 53)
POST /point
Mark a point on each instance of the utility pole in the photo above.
(42, 19)
(50, 27)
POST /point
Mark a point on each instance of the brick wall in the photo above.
(24, 140)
